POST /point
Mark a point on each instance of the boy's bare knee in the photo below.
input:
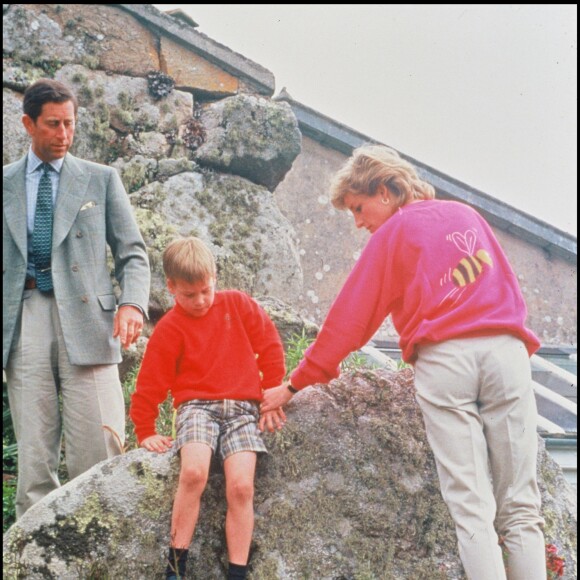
(240, 492)
(193, 477)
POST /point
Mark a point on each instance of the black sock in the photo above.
(237, 571)
(176, 562)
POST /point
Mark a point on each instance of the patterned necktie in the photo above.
(42, 233)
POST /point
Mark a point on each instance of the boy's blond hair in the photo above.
(188, 259)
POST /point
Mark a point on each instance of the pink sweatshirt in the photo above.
(438, 269)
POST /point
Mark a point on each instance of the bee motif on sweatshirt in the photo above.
(470, 267)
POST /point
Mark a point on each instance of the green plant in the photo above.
(160, 85)
(9, 456)
(402, 365)
(297, 345)
(9, 463)
(356, 361)
(165, 424)
(8, 511)
(128, 389)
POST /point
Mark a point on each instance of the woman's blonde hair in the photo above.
(373, 165)
(188, 259)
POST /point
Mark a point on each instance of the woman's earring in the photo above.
(385, 201)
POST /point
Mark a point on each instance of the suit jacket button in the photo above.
(85, 299)
(79, 234)
(75, 268)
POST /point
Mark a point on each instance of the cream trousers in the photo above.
(480, 415)
(50, 397)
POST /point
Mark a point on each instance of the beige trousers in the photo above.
(50, 397)
(480, 415)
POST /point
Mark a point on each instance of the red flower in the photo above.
(555, 564)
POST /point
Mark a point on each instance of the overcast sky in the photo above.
(484, 93)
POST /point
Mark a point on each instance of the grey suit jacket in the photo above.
(92, 212)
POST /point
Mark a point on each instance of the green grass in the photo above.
(298, 344)
(9, 463)
(8, 511)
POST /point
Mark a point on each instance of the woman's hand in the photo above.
(157, 443)
(274, 398)
(272, 420)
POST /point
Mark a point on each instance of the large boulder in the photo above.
(290, 324)
(252, 241)
(250, 136)
(349, 490)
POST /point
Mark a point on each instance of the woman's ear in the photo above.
(383, 192)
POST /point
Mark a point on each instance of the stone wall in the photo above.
(199, 152)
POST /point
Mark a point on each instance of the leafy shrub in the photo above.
(8, 511)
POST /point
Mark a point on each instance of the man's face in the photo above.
(53, 132)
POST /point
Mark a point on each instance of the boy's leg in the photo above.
(508, 410)
(239, 471)
(195, 462)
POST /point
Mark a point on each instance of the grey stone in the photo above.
(15, 141)
(18, 76)
(348, 490)
(136, 172)
(239, 220)
(51, 35)
(290, 324)
(252, 137)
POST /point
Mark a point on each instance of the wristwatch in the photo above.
(291, 389)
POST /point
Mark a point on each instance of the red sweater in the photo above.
(438, 269)
(233, 352)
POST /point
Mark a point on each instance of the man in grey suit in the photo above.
(62, 329)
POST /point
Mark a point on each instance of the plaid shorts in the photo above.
(229, 425)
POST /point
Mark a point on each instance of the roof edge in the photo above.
(344, 139)
(260, 78)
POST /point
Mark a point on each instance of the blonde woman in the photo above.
(438, 270)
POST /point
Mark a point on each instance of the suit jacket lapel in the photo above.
(14, 201)
(71, 192)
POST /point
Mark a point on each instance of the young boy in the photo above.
(215, 352)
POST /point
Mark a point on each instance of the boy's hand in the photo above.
(274, 398)
(272, 420)
(157, 443)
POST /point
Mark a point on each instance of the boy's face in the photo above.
(196, 298)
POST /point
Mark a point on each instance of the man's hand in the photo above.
(272, 420)
(128, 324)
(157, 443)
(274, 398)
